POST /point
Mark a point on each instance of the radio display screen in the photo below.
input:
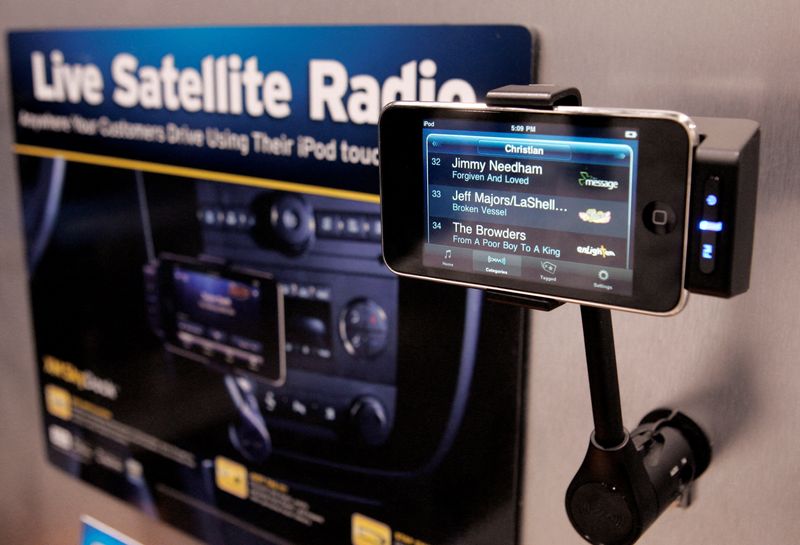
(226, 316)
(547, 203)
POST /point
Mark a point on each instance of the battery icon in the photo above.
(631, 134)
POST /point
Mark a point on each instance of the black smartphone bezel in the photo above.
(663, 176)
(271, 314)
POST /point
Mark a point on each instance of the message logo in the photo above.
(595, 216)
(594, 251)
(587, 180)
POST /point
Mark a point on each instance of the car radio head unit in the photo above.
(575, 204)
(225, 316)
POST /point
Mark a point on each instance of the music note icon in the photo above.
(448, 254)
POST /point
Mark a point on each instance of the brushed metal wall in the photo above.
(733, 365)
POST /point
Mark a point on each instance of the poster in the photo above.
(218, 340)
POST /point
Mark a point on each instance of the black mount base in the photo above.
(626, 479)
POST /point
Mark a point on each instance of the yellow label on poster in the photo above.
(231, 477)
(366, 531)
(58, 402)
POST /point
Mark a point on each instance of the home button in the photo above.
(659, 218)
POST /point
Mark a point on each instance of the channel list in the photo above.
(542, 211)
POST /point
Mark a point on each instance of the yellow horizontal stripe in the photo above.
(146, 166)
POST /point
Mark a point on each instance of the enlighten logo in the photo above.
(594, 251)
(587, 180)
(83, 380)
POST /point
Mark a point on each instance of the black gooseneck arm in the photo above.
(601, 361)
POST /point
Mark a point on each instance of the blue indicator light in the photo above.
(712, 200)
(706, 225)
(708, 251)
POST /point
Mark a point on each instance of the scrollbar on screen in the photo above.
(547, 204)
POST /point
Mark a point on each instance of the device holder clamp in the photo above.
(627, 479)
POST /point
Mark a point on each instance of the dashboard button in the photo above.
(375, 230)
(326, 224)
(363, 328)
(369, 421)
(284, 221)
